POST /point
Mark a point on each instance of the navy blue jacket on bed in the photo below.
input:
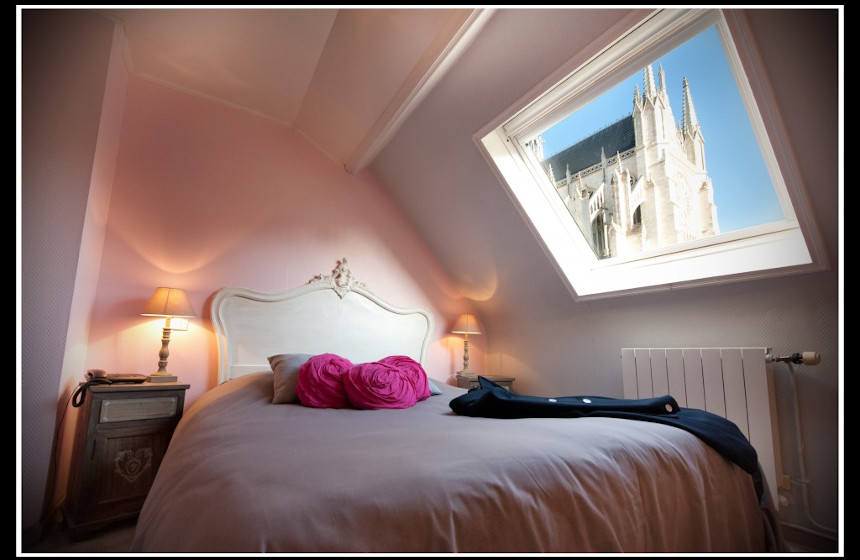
(494, 401)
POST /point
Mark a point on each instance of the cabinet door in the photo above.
(120, 470)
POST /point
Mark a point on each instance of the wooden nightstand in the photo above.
(471, 381)
(122, 434)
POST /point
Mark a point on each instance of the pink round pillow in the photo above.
(412, 370)
(393, 382)
(320, 383)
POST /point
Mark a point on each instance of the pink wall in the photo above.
(207, 196)
(65, 124)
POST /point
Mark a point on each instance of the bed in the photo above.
(245, 475)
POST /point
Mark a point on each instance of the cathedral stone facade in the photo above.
(640, 183)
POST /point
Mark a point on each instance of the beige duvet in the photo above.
(244, 475)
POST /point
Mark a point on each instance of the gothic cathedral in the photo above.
(640, 183)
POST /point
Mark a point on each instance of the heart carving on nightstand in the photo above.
(131, 464)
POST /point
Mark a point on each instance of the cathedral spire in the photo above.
(690, 122)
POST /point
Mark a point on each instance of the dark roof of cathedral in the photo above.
(618, 137)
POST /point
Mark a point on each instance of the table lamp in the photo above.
(466, 324)
(168, 303)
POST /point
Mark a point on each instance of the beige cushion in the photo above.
(286, 370)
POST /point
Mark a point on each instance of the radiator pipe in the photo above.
(806, 358)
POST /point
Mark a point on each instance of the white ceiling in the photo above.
(345, 78)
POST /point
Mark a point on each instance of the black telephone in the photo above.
(99, 377)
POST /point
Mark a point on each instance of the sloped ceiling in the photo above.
(345, 78)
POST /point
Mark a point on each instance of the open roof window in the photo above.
(649, 166)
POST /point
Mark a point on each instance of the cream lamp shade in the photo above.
(466, 324)
(167, 302)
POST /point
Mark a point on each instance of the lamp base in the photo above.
(162, 378)
(467, 373)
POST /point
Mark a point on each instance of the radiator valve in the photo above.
(806, 358)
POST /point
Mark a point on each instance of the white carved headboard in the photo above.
(330, 314)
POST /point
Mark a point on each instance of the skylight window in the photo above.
(648, 167)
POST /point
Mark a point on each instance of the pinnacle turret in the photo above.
(650, 88)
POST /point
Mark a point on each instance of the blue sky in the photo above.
(743, 190)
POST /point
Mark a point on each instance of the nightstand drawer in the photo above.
(123, 410)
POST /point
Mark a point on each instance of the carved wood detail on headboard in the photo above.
(340, 279)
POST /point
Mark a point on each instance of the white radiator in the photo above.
(735, 383)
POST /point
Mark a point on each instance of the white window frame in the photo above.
(790, 246)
